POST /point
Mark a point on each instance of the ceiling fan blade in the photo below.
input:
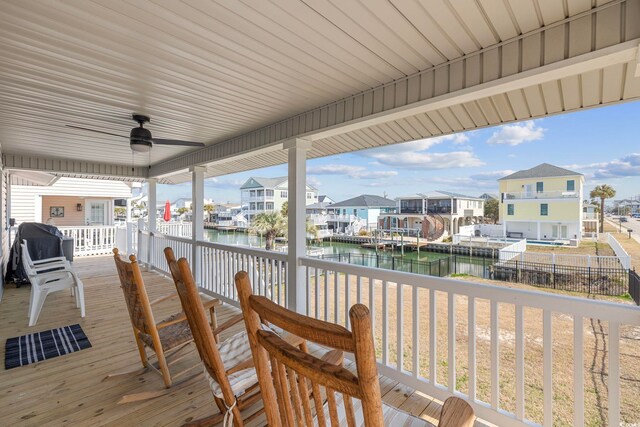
(177, 142)
(97, 131)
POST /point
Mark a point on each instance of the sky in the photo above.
(601, 143)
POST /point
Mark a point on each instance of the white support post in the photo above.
(128, 214)
(297, 157)
(197, 218)
(538, 229)
(152, 218)
(8, 209)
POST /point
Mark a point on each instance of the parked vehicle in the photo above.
(624, 219)
(636, 215)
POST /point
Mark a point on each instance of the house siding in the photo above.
(31, 203)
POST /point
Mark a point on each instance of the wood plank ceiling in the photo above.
(212, 70)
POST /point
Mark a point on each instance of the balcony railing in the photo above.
(590, 216)
(542, 195)
(440, 336)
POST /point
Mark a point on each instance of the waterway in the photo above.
(464, 264)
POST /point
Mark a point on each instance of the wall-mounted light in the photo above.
(79, 207)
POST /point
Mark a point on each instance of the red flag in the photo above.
(167, 211)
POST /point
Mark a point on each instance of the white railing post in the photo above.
(130, 238)
(151, 214)
(197, 218)
(297, 187)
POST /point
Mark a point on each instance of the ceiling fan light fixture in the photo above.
(141, 146)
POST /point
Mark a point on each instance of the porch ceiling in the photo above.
(243, 76)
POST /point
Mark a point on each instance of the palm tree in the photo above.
(208, 208)
(270, 225)
(602, 192)
(284, 210)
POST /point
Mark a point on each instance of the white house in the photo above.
(269, 194)
(40, 197)
(359, 212)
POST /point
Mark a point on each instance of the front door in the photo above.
(559, 231)
(96, 212)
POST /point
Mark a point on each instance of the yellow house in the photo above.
(542, 203)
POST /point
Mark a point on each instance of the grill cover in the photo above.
(43, 241)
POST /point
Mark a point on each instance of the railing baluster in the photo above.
(614, 374)
(359, 289)
(399, 325)
(578, 371)
(316, 296)
(433, 338)
(495, 356)
(336, 298)
(415, 332)
(471, 327)
(519, 362)
(451, 341)
(347, 300)
(547, 369)
(385, 322)
(326, 295)
(307, 276)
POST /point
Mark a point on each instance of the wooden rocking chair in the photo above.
(228, 366)
(166, 338)
(290, 379)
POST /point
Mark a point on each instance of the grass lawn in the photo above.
(585, 248)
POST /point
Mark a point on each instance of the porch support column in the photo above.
(128, 214)
(8, 209)
(297, 232)
(197, 217)
(151, 215)
(151, 205)
(538, 229)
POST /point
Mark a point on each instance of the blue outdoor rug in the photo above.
(39, 346)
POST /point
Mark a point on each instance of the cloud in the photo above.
(517, 134)
(357, 172)
(224, 183)
(415, 154)
(425, 160)
(623, 167)
(480, 180)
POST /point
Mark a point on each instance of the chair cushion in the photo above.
(170, 336)
(232, 351)
(391, 415)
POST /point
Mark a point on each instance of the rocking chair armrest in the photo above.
(207, 304)
(229, 323)
(48, 260)
(177, 318)
(164, 298)
(335, 357)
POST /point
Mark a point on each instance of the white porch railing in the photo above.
(623, 256)
(474, 320)
(93, 240)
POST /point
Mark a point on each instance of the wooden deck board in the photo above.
(69, 390)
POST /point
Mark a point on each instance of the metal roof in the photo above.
(544, 170)
(365, 201)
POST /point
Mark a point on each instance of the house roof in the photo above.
(367, 201)
(544, 170)
(487, 196)
(261, 182)
(257, 182)
(319, 205)
(439, 194)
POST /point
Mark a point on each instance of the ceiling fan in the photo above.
(140, 138)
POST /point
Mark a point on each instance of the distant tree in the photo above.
(602, 192)
(208, 208)
(284, 210)
(120, 211)
(270, 225)
(491, 210)
(180, 211)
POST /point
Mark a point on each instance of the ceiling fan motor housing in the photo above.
(140, 139)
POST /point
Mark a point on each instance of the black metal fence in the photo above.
(591, 280)
(634, 286)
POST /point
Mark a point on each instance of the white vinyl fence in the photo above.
(623, 256)
(513, 250)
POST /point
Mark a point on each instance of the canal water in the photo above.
(463, 264)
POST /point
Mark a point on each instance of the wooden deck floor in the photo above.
(70, 390)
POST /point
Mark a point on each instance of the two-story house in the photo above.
(433, 214)
(268, 195)
(542, 203)
(361, 212)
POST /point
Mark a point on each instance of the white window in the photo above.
(269, 193)
(284, 194)
(309, 195)
(269, 206)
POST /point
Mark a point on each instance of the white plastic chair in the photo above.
(42, 283)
